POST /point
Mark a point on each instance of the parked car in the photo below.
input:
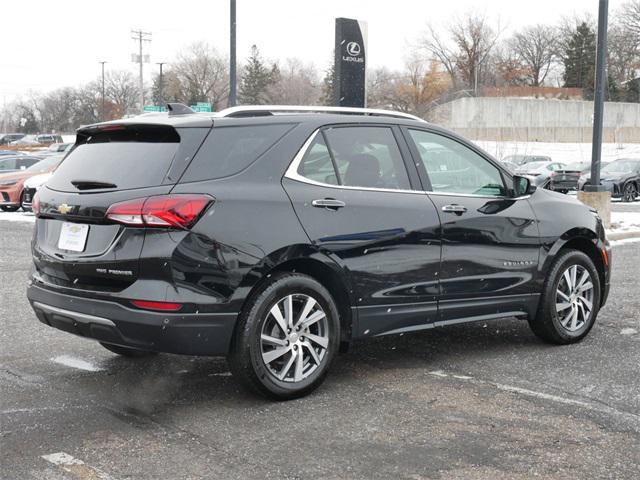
(16, 163)
(522, 159)
(621, 177)
(13, 153)
(12, 184)
(566, 178)
(42, 139)
(540, 171)
(56, 149)
(7, 138)
(512, 167)
(276, 239)
(30, 187)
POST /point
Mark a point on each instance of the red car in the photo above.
(11, 184)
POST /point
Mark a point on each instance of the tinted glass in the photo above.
(134, 157)
(317, 165)
(228, 150)
(367, 157)
(7, 164)
(621, 166)
(455, 168)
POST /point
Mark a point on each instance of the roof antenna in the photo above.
(178, 109)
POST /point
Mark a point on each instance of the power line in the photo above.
(141, 37)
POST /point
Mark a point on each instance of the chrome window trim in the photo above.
(292, 174)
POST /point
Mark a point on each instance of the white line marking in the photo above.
(78, 363)
(545, 396)
(75, 466)
(593, 406)
(628, 331)
(624, 241)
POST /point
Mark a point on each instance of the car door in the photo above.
(490, 244)
(350, 188)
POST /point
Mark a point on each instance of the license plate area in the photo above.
(73, 237)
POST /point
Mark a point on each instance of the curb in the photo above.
(613, 236)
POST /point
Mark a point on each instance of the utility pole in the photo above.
(232, 53)
(595, 194)
(102, 116)
(141, 36)
(161, 84)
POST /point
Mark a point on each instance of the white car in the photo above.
(31, 186)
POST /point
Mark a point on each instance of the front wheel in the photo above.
(9, 208)
(286, 337)
(570, 301)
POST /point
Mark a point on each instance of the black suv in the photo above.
(276, 237)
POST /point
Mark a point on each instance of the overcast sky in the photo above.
(45, 45)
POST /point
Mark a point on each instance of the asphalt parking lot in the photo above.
(477, 401)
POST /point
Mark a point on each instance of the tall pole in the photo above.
(161, 89)
(232, 53)
(102, 116)
(141, 36)
(598, 103)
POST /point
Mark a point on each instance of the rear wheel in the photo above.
(630, 192)
(570, 300)
(286, 337)
(126, 351)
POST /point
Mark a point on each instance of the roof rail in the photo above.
(263, 110)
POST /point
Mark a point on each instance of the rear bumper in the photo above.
(188, 334)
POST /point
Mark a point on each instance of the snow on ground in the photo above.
(560, 152)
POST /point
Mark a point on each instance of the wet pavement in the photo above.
(476, 401)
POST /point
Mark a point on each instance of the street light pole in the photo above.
(161, 80)
(232, 53)
(102, 116)
(595, 194)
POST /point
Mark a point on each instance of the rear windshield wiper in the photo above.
(91, 184)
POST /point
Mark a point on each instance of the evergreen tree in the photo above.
(256, 80)
(328, 87)
(580, 59)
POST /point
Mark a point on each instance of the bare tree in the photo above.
(121, 93)
(295, 84)
(468, 43)
(537, 48)
(630, 18)
(203, 75)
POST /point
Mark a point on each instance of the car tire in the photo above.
(9, 208)
(568, 309)
(269, 355)
(629, 192)
(24, 209)
(127, 352)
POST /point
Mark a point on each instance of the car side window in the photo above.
(316, 164)
(454, 168)
(356, 157)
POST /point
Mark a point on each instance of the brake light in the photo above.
(35, 204)
(158, 306)
(168, 211)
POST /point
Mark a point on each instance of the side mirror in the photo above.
(522, 186)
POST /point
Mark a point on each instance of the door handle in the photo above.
(330, 203)
(454, 208)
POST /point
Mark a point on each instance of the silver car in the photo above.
(541, 172)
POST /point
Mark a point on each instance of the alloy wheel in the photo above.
(629, 192)
(574, 298)
(294, 337)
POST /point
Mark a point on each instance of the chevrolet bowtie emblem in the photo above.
(64, 209)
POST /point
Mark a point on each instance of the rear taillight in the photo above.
(165, 211)
(35, 204)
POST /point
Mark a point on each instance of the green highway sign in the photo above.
(153, 108)
(201, 107)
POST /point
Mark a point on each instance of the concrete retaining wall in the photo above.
(541, 120)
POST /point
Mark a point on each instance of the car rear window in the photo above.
(229, 150)
(129, 157)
